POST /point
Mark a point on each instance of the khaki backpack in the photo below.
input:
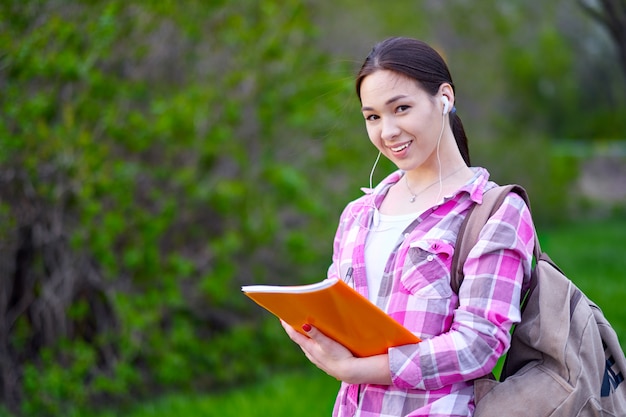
(565, 358)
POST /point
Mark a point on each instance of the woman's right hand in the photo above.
(337, 361)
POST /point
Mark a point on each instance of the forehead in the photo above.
(382, 84)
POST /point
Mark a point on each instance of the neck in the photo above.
(419, 180)
(398, 198)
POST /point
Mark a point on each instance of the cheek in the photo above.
(373, 134)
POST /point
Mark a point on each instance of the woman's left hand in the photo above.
(337, 361)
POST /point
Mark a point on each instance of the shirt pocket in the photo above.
(426, 272)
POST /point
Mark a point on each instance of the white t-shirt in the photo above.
(381, 240)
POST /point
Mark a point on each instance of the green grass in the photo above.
(592, 255)
(303, 394)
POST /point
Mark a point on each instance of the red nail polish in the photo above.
(306, 327)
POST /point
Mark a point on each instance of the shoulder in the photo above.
(515, 198)
(514, 215)
(373, 196)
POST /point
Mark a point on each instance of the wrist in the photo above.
(369, 370)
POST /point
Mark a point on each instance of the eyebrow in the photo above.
(388, 102)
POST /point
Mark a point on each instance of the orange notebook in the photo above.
(338, 311)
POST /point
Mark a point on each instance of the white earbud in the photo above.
(446, 105)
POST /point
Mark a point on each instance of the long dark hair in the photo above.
(417, 60)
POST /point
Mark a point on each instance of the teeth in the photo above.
(401, 148)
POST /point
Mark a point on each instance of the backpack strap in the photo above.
(474, 221)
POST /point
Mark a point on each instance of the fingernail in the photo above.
(306, 327)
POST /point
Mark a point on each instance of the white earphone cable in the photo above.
(372, 171)
(443, 124)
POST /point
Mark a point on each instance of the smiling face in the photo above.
(403, 121)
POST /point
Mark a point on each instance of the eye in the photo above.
(371, 117)
(402, 108)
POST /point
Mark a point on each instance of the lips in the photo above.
(401, 147)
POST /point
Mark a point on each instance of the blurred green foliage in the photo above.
(171, 175)
(181, 151)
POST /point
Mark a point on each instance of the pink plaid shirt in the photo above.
(462, 335)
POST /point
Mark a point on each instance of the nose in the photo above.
(390, 129)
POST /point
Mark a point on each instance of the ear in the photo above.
(446, 90)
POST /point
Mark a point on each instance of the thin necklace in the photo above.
(414, 196)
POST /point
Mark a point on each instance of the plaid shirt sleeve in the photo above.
(496, 272)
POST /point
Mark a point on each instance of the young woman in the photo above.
(395, 246)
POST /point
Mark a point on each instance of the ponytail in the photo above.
(460, 137)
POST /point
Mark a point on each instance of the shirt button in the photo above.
(406, 235)
(429, 258)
